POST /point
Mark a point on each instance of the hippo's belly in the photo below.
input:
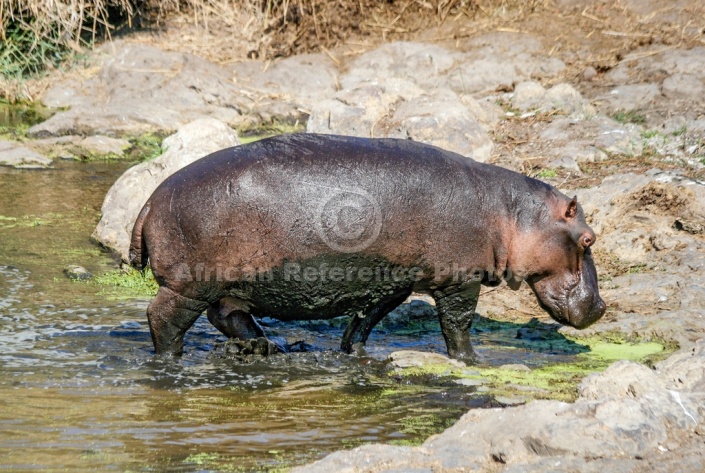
(324, 288)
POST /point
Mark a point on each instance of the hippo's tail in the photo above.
(138, 249)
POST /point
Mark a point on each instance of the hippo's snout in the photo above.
(585, 306)
(588, 317)
(571, 299)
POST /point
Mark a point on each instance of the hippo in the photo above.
(308, 226)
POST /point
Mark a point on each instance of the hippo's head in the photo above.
(559, 266)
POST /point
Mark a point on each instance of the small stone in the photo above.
(515, 367)
(564, 97)
(510, 400)
(689, 226)
(470, 382)
(528, 95)
(78, 273)
(130, 324)
(411, 358)
(589, 73)
(565, 162)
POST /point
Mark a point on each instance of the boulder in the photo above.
(576, 140)
(423, 64)
(130, 192)
(561, 97)
(357, 111)
(139, 88)
(19, 156)
(289, 84)
(103, 146)
(89, 147)
(630, 97)
(528, 95)
(397, 108)
(441, 119)
(498, 61)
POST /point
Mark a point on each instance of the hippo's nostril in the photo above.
(587, 239)
(598, 310)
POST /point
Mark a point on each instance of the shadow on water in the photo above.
(81, 389)
(536, 340)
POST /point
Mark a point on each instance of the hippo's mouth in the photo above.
(554, 306)
(575, 304)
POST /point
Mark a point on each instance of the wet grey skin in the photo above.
(305, 226)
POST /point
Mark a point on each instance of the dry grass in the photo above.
(67, 22)
(279, 28)
(39, 34)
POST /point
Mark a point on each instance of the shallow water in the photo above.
(80, 388)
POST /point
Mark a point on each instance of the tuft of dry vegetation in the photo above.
(286, 27)
(38, 35)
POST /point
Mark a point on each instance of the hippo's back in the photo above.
(330, 157)
(296, 198)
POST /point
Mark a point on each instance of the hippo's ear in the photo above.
(572, 209)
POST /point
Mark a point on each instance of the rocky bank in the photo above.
(507, 96)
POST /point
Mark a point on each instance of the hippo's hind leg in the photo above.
(170, 315)
(232, 318)
(456, 310)
(360, 326)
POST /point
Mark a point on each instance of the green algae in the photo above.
(267, 130)
(26, 221)
(558, 381)
(145, 147)
(546, 174)
(203, 458)
(126, 283)
(607, 351)
(424, 425)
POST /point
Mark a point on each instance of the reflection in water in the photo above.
(80, 388)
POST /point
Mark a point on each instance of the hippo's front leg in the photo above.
(456, 310)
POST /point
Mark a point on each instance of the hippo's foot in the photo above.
(232, 318)
(466, 354)
(260, 346)
(170, 315)
(456, 311)
(247, 351)
(360, 325)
